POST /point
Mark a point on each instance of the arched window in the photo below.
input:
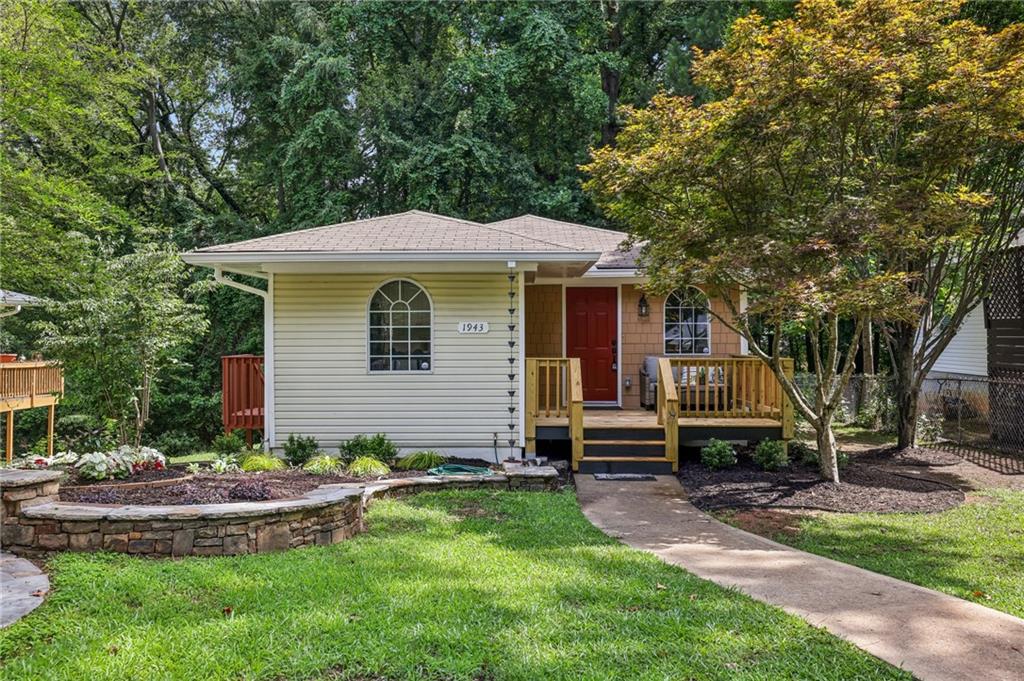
(687, 323)
(400, 327)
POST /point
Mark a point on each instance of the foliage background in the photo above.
(126, 125)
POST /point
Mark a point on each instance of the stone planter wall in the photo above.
(36, 524)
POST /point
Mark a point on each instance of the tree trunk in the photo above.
(610, 77)
(828, 459)
(867, 381)
(906, 389)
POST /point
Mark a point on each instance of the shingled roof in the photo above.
(420, 233)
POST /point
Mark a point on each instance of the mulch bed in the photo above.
(207, 488)
(912, 456)
(868, 484)
(169, 473)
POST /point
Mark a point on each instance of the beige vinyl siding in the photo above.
(323, 386)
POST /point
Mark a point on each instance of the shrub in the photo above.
(262, 462)
(322, 464)
(175, 443)
(718, 454)
(250, 490)
(420, 461)
(298, 449)
(367, 467)
(377, 447)
(803, 453)
(771, 455)
(227, 444)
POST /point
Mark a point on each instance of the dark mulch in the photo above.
(865, 487)
(214, 489)
(168, 473)
(911, 456)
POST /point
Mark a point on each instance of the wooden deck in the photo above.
(640, 418)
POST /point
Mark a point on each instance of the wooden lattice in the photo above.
(1006, 284)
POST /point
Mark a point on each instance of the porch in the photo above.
(730, 398)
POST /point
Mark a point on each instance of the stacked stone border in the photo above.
(35, 524)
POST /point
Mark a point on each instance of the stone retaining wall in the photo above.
(35, 523)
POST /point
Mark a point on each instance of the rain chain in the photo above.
(512, 358)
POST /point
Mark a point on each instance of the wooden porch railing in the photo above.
(726, 387)
(554, 387)
(242, 397)
(29, 384)
(24, 385)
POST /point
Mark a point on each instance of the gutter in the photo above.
(213, 258)
(269, 431)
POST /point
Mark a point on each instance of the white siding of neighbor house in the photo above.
(324, 388)
(967, 353)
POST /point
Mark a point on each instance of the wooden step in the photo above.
(625, 464)
(624, 442)
(625, 458)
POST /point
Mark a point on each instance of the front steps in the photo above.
(624, 450)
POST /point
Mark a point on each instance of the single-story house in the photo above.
(490, 340)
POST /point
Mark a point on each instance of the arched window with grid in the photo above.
(687, 323)
(400, 328)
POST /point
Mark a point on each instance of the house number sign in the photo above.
(474, 327)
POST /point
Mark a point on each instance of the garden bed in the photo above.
(866, 487)
(164, 476)
(209, 488)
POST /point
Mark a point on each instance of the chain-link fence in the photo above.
(973, 412)
(958, 413)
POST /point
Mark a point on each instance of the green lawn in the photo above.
(458, 585)
(199, 457)
(975, 551)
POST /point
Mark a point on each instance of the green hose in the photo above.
(459, 469)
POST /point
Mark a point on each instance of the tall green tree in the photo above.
(840, 152)
(124, 328)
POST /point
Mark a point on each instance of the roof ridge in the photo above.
(564, 222)
(491, 227)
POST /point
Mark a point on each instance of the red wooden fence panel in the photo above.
(242, 396)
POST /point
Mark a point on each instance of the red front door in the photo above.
(591, 331)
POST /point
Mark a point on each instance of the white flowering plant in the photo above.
(223, 465)
(103, 465)
(143, 458)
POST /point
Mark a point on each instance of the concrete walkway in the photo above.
(931, 635)
(19, 580)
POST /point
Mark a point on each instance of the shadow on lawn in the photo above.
(929, 560)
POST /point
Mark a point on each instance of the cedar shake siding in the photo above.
(641, 336)
(544, 320)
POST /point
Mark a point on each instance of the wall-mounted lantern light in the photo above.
(643, 308)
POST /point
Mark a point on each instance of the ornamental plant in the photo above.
(377, 446)
(262, 462)
(103, 465)
(223, 465)
(420, 461)
(771, 455)
(367, 467)
(718, 454)
(298, 449)
(322, 464)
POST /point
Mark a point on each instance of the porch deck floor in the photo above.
(641, 418)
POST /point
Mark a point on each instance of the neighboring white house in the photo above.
(967, 352)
